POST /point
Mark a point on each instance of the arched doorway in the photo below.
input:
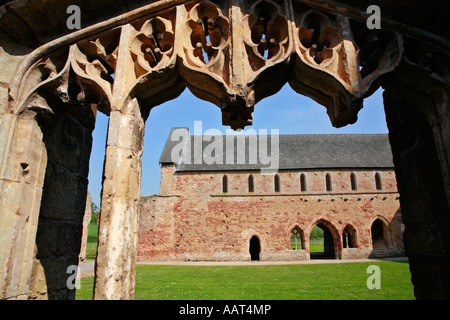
(379, 243)
(255, 248)
(321, 249)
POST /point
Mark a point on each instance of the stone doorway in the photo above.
(380, 246)
(255, 248)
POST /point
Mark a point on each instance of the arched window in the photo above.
(225, 184)
(302, 182)
(378, 181)
(277, 183)
(353, 181)
(328, 182)
(251, 186)
(296, 239)
(349, 237)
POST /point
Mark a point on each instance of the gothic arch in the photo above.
(385, 235)
(349, 237)
(167, 55)
(299, 234)
(335, 251)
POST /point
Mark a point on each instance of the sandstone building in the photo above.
(345, 184)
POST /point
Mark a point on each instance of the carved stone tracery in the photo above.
(152, 46)
(208, 38)
(267, 35)
(94, 63)
(231, 55)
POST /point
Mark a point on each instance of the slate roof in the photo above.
(296, 151)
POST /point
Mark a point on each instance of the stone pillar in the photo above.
(63, 204)
(23, 160)
(118, 229)
(420, 150)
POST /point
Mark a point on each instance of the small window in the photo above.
(328, 182)
(353, 181)
(277, 183)
(296, 239)
(378, 181)
(251, 186)
(349, 237)
(225, 184)
(302, 182)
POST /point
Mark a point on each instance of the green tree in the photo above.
(94, 213)
(317, 233)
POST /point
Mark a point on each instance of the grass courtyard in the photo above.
(343, 281)
(91, 243)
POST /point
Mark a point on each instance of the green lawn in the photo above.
(345, 281)
(316, 247)
(312, 247)
(91, 244)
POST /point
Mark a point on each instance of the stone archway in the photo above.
(328, 245)
(330, 241)
(296, 238)
(378, 236)
(349, 237)
(218, 49)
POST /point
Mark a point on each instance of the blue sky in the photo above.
(286, 111)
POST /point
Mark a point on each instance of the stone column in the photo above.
(59, 233)
(121, 193)
(23, 160)
(117, 238)
(420, 150)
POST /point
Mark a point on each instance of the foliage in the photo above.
(317, 233)
(95, 210)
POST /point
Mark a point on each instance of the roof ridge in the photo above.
(295, 151)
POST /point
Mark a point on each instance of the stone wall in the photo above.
(419, 142)
(409, 58)
(23, 161)
(195, 220)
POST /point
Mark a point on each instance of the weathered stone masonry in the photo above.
(192, 218)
